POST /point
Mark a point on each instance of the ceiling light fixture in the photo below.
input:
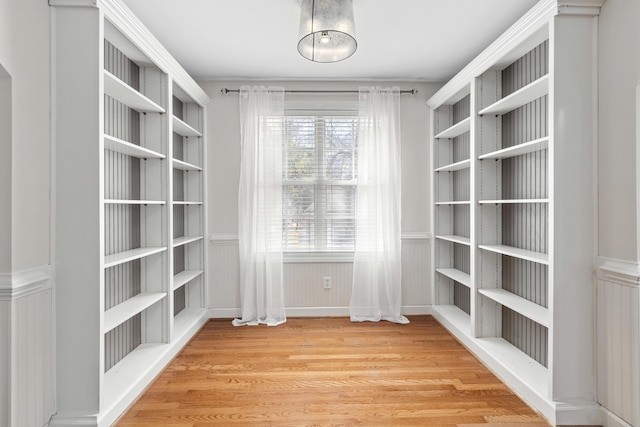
(327, 30)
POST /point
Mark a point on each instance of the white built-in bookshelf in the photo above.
(512, 207)
(130, 209)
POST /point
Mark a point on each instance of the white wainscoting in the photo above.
(303, 281)
(618, 342)
(26, 358)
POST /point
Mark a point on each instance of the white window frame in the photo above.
(339, 109)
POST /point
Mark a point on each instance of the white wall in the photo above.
(618, 272)
(303, 281)
(26, 394)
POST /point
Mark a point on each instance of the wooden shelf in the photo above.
(512, 201)
(121, 146)
(463, 164)
(540, 258)
(460, 202)
(185, 277)
(131, 255)
(517, 363)
(133, 202)
(129, 308)
(531, 310)
(456, 130)
(122, 92)
(182, 128)
(453, 317)
(518, 150)
(180, 241)
(182, 202)
(454, 239)
(457, 275)
(523, 96)
(179, 164)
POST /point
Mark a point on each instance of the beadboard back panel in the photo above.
(525, 226)
(122, 222)
(303, 281)
(618, 344)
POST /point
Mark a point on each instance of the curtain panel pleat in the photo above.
(376, 292)
(260, 206)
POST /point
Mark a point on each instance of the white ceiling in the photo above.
(421, 40)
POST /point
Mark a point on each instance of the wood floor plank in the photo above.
(327, 372)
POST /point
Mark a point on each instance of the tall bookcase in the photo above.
(130, 209)
(513, 202)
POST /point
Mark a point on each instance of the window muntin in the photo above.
(319, 183)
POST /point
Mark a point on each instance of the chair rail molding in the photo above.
(25, 282)
(618, 271)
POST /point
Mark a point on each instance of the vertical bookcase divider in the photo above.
(521, 295)
(114, 199)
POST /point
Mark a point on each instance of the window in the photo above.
(319, 183)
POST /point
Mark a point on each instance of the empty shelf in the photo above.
(121, 146)
(518, 150)
(463, 164)
(182, 128)
(531, 310)
(182, 202)
(512, 201)
(131, 255)
(459, 202)
(129, 308)
(457, 275)
(523, 96)
(185, 239)
(122, 92)
(179, 164)
(454, 239)
(452, 316)
(133, 202)
(185, 277)
(456, 130)
(539, 257)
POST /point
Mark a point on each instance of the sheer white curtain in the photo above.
(260, 206)
(376, 292)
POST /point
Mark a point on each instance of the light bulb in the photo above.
(325, 38)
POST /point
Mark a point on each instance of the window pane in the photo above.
(319, 193)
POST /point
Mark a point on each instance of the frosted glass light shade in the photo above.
(327, 30)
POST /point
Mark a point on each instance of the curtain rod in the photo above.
(411, 91)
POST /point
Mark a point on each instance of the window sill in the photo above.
(310, 257)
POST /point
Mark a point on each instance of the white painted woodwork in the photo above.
(116, 144)
(538, 257)
(518, 304)
(463, 164)
(120, 91)
(455, 130)
(126, 310)
(138, 213)
(179, 164)
(519, 98)
(455, 239)
(563, 392)
(518, 150)
(457, 275)
(183, 128)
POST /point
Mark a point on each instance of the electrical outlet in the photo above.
(327, 283)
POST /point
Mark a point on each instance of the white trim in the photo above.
(304, 257)
(132, 28)
(622, 272)
(222, 239)
(578, 413)
(415, 235)
(71, 420)
(609, 419)
(24, 283)
(232, 313)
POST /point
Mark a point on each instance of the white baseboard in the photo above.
(610, 419)
(232, 313)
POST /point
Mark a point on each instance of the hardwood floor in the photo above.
(327, 372)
